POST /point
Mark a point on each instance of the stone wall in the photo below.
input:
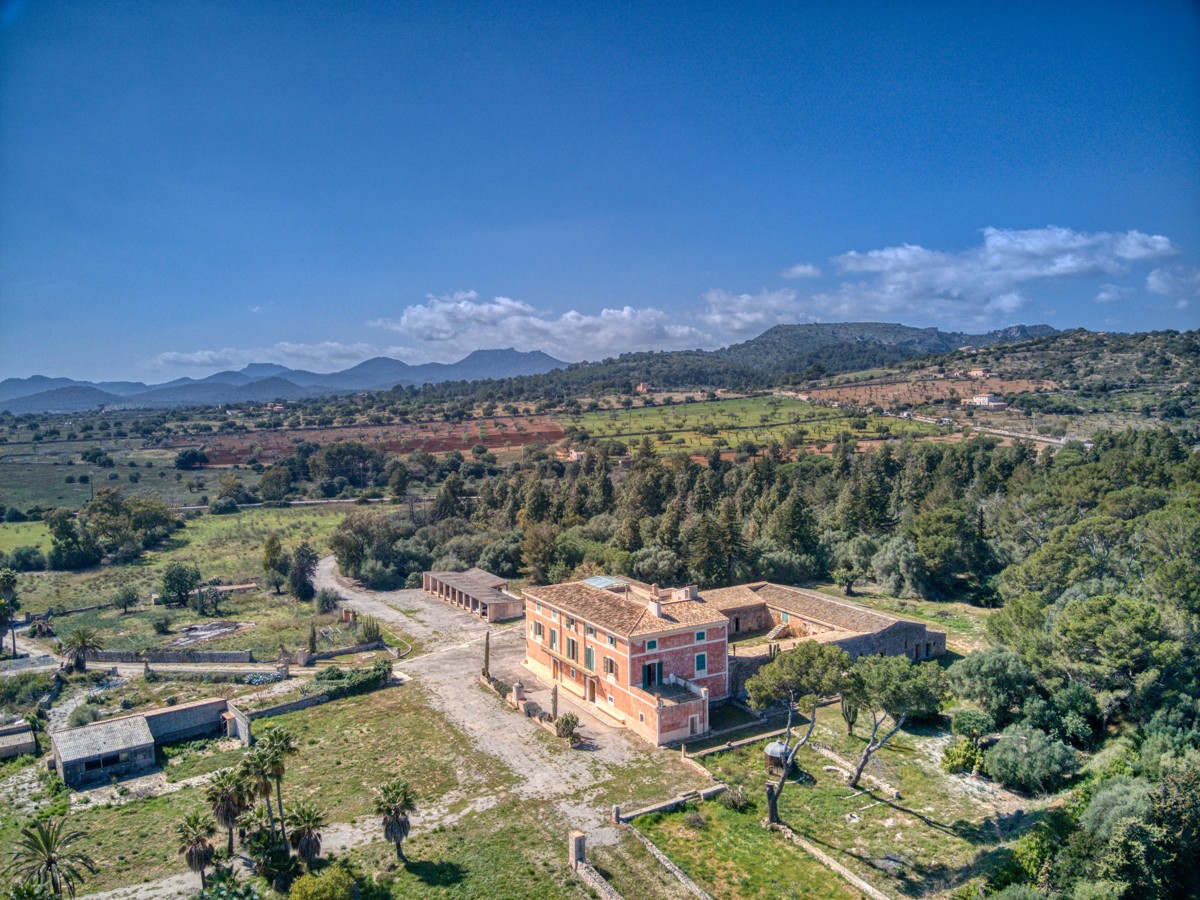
(290, 706)
(188, 720)
(239, 726)
(172, 656)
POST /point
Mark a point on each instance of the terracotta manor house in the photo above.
(653, 660)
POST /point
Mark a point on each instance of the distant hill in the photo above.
(263, 382)
(785, 352)
(859, 345)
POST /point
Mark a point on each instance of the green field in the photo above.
(37, 474)
(698, 427)
(935, 837)
(24, 534)
(225, 547)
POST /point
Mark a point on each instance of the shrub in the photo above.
(161, 624)
(27, 559)
(961, 756)
(327, 600)
(369, 630)
(736, 799)
(84, 714)
(379, 577)
(335, 883)
(566, 725)
(695, 819)
(223, 506)
(413, 581)
(1027, 759)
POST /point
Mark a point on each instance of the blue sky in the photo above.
(187, 186)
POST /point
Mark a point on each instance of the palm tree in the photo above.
(229, 797)
(394, 801)
(43, 855)
(306, 821)
(194, 833)
(9, 604)
(79, 645)
(29, 890)
(257, 771)
(278, 742)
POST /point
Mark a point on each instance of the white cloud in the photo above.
(1180, 283)
(449, 326)
(322, 355)
(1114, 293)
(801, 270)
(982, 285)
(740, 314)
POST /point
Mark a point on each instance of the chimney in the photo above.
(654, 591)
(655, 609)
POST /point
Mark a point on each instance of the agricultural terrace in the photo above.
(699, 427)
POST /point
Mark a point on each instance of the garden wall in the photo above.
(172, 656)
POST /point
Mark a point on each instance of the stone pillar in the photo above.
(576, 849)
(616, 813)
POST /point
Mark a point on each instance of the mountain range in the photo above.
(260, 382)
(779, 350)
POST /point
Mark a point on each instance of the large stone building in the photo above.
(648, 659)
(653, 659)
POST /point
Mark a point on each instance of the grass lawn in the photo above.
(731, 855)
(934, 838)
(226, 547)
(24, 534)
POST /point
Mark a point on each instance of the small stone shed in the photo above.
(476, 591)
(16, 739)
(125, 745)
(102, 750)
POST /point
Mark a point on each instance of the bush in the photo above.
(379, 577)
(348, 683)
(961, 756)
(327, 600)
(566, 725)
(161, 624)
(27, 559)
(1027, 759)
(736, 799)
(84, 714)
(695, 819)
(335, 883)
(369, 630)
(223, 506)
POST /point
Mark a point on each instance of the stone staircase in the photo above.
(777, 631)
